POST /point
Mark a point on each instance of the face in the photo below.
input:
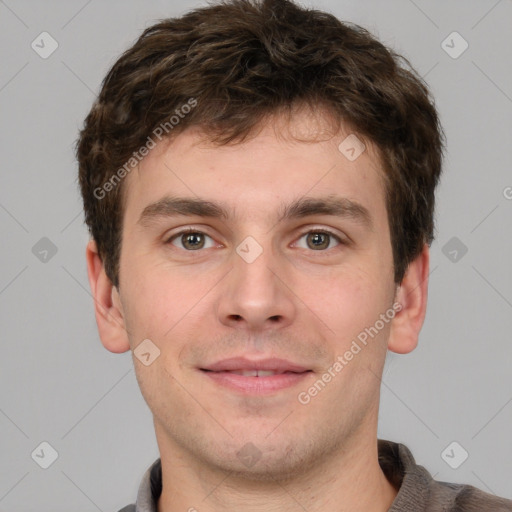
(265, 281)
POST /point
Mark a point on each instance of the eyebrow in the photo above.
(333, 205)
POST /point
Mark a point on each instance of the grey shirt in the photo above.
(418, 492)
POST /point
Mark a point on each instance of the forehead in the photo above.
(266, 175)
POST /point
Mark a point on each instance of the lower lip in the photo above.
(256, 385)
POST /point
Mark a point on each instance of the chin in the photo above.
(263, 461)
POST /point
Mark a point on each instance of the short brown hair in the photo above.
(240, 61)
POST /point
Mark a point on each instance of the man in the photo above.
(258, 180)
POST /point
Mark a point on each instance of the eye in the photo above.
(320, 239)
(191, 240)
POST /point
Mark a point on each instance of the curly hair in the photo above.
(226, 67)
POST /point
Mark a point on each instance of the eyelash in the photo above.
(321, 231)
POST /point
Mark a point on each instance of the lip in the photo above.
(219, 372)
(242, 363)
(256, 385)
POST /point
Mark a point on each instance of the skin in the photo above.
(295, 301)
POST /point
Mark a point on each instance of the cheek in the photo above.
(347, 301)
(169, 309)
(151, 306)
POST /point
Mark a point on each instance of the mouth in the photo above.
(245, 364)
(255, 373)
(256, 377)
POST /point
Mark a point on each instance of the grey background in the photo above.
(57, 382)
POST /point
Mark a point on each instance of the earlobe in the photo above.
(412, 297)
(107, 306)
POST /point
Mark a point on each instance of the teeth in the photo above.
(266, 373)
(254, 373)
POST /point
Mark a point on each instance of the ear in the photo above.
(412, 296)
(107, 304)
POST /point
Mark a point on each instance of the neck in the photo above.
(349, 479)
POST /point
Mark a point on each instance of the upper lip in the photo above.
(242, 363)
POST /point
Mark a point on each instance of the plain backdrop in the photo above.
(60, 386)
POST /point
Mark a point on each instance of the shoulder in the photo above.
(128, 508)
(417, 490)
(452, 497)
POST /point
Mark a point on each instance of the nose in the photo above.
(257, 295)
